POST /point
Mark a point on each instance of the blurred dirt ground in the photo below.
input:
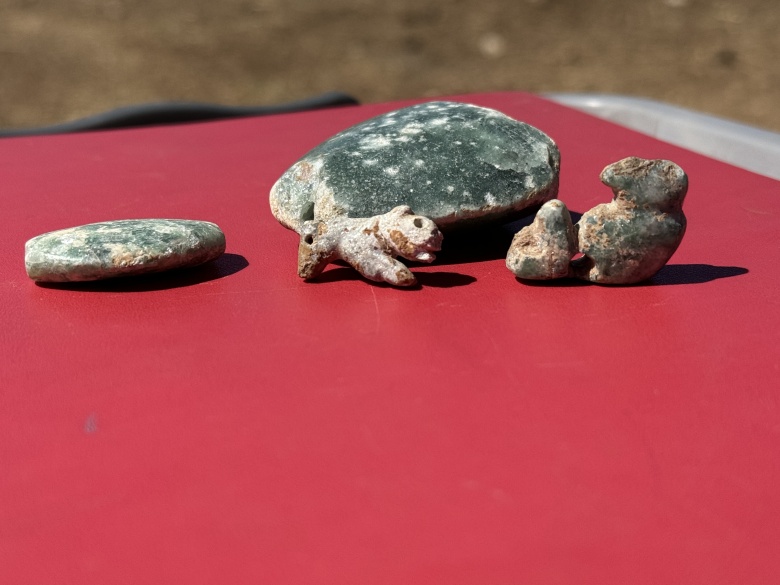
(64, 59)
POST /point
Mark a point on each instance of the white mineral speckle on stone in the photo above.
(450, 188)
(457, 143)
(403, 139)
(428, 182)
(419, 163)
(392, 171)
(490, 199)
(412, 128)
(374, 142)
(370, 162)
(439, 121)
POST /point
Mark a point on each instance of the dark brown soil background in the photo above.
(64, 59)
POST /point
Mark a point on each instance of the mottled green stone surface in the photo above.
(544, 249)
(454, 163)
(625, 241)
(121, 248)
(632, 237)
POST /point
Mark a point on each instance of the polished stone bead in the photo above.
(456, 164)
(121, 248)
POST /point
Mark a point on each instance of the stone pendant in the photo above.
(121, 248)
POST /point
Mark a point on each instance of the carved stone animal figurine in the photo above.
(624, 241)
(370, 245)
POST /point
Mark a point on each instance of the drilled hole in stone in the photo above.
(308, 239)
(418, 223)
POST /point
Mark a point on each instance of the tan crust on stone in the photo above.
(402, 243)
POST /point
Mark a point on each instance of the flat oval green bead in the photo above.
(121, 248)
(457, 164)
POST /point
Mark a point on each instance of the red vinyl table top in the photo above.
(233, 424)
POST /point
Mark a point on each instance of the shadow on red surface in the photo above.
(225, 265)
(669, 274)
(433, 279)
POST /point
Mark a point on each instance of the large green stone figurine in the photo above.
(456, 164)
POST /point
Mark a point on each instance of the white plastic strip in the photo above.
(738, 144)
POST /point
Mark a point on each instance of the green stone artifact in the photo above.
(370, 245)
(544, 249)
(121, 248)
(625, 241)
(456, 164)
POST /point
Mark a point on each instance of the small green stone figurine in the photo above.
(624, 241)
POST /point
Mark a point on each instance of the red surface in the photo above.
(236, 425)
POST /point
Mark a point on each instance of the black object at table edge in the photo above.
(164, 113)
